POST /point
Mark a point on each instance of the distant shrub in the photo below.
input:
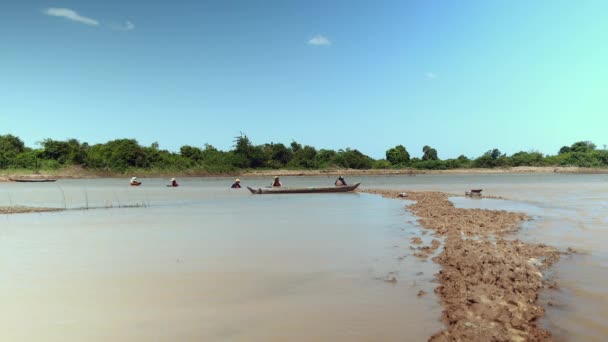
(429, 165)
(382, 164)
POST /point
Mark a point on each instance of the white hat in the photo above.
(133, 178)
(173, 179)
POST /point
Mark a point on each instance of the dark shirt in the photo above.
(340, 182)
(236, 186)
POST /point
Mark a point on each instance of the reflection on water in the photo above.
(205, 262)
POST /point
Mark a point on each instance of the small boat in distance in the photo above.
(32, 180)
(473, 193)
(309, 190)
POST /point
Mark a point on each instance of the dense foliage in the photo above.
(122, 155)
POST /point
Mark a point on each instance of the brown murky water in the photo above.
(205, 263)
(201, 262)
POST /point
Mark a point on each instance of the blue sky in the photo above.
(461, 76)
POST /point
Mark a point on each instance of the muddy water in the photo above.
(205, 263)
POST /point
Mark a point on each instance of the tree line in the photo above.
(123, 155)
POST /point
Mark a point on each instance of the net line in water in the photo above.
(74, 198)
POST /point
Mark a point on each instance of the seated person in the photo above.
(174, 182)
(277, 182)
(340, 181)
(134, 181)
(236, 184)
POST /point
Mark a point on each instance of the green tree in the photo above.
(216, 161)
(10, 147)
(193, 153)
(305, 158)
(490, 159)
(429, 153)
(325, 158)
(461, 162)
(68, 152)
(527, 159)
(583, 147)
(280, 154)
(295, 147)
(10, 143)
(247, 154)
(353, 159)
(118, 155)
(397, 155)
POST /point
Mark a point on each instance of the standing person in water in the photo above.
(277, 182)
(340, 181)
(173, 182)
(134, 181)
(236, 184)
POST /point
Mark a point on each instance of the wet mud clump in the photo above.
(489, 285)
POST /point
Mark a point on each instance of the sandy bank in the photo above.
(489, 285)
(78, 173)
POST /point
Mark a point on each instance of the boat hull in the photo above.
(310, 190)
(33, 180)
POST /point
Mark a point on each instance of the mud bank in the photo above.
(489, 285)
(75, 172)
(25, 210)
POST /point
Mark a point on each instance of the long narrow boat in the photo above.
(32, 180)
(309, 190)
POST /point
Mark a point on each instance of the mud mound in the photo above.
(488, 285)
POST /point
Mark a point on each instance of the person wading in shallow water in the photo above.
(236, 184)
(173, 182)
(340, 181)
(277, 182)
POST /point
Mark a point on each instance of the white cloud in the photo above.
(431, 75)
(70, 15)
(127, 26)
(319, 40)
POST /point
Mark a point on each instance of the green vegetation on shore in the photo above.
(127, 155)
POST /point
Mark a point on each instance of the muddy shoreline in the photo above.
(489, 283)
(80, 173)
(26, 210)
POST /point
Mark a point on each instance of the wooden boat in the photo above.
(309, 190)
(136, 184)
(473, 193)
(32, 180)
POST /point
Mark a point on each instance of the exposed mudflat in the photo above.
(489, 285)
(24, 210)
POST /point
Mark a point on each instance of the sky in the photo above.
(461, 76)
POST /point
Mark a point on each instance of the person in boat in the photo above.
(340, 181)
(134, 181)
(236, 184)
(277, 182)
(174, 182)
